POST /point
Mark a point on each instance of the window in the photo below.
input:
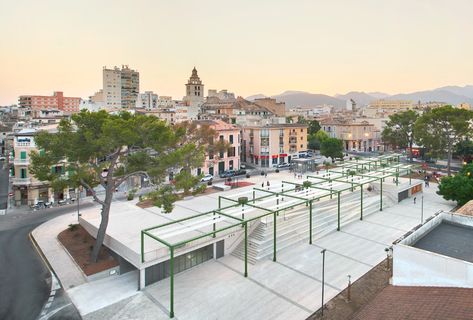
(230, 138)
(23, 155)
(23, 173)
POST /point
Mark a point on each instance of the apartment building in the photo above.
(226, 160)
(271, 144)
(57, 101)
(359, 136)
(27, 190)
(120, 87)
(147, 100)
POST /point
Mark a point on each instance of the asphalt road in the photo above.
(25, 281)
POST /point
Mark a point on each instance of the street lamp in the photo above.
(422, 209)
(323, 278)
(79, 190)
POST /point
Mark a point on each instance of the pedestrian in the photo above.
(295, 175)
(394, 180)
(265, 174)
(415, 198)
(267, 183)
(262, 185)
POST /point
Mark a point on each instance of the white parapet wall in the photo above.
(416, 267)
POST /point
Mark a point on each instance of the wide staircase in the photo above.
(293, 225)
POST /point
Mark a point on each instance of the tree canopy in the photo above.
(459, 187)
(332, 147)
(98, 148)
(441, 128)
(399, 130)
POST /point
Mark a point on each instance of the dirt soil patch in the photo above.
(79, 243)
(362, 292)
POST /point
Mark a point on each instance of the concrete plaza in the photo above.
(291, 287)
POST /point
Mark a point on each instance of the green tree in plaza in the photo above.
(440, 129)
(314, 127)
(464, 149)
(332, 147)
(459, 187)
(399, 130)
(98, 148)
(314, 140)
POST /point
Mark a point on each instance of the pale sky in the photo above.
(245, 46)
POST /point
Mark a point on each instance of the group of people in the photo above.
(298, 175)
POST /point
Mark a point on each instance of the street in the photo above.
(25, 279)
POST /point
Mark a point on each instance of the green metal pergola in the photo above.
(377, 170)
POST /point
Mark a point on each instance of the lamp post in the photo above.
(79, 190)
(323, 278)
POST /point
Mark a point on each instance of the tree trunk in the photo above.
(449, 157)
(110, 187)
(410, 151)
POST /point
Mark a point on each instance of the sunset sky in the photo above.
(245, 46)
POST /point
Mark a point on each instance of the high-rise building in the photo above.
(120, 87)
(57, 101)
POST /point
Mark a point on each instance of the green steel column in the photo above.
(213, 236)
(253, 196)
(274, 236)
(310, 222)
(381, 195)
(397, 179)
(410, 174)
(171, 267)
(246, 249)
(142, 247)
(338, 228)
(219, 201)
(361, 203)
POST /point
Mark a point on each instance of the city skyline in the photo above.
(266, 47)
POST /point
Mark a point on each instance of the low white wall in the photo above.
(416, 267)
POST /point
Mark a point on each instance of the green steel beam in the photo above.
(183, 242)
(381, 195)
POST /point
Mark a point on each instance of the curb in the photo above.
(43, 257)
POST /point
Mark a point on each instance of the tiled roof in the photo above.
(466, 209)
(419, 303)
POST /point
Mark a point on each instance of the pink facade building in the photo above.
(215, 164)
(57, 101)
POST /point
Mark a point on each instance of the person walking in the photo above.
(265, 174)
(415, 198)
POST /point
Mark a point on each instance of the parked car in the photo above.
(227, 174)
(207, 178)
(239, 172)
(242, 166)
(2, 158)
(283, 165)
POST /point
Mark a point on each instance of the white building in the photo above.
(147, 100)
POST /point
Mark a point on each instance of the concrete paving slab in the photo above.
(96, 295)
(214, 291)
(138, 306)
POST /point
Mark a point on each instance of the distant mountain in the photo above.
(448, 94)
(305, 99)
(439, 95)
(466, 91)
(255, 96)
(361, 98)
(378, 95)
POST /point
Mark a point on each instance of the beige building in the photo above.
(268, 145)
(464, 105)
(277, 108)
(27, 190)
(356, 136)
(120, 87)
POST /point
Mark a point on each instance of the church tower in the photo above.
(194, 95)
(194, 88)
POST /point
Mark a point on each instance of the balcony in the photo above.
(292, 134)
(21, 181)
(22, 143)
(19, 162)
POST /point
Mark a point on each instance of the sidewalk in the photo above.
(65, 268)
